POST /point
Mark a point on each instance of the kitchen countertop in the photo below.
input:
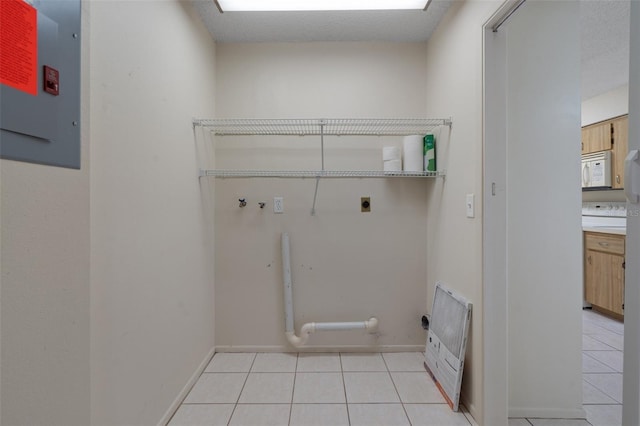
(606, 230)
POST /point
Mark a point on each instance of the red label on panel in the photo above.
(19, 45)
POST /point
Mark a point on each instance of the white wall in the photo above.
(44, 228)
(605, 106)
(45, 294)
(454, 88)
(152, 324)
(346, 265)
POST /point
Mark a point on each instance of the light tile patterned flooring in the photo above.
(602, 344)
(251, 389)
(386, 389)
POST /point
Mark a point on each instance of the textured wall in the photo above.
(346, 265)
(152, 70)
(455, 242)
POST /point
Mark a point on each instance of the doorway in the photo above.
(532, 219)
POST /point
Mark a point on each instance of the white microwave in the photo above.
(596, 170)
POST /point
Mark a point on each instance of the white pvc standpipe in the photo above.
(286, 273)
(371, 324)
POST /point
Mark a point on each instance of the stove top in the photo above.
(606, 215)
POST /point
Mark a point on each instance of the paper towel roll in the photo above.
(413, 148)
(391, 153)
(393, 166)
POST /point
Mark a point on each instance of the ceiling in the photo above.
(604, 32)
(604, 26)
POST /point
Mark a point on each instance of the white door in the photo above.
(631, 367)
(532, 219)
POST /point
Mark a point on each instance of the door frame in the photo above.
(495, 271)
(631, 363)
(494, 288)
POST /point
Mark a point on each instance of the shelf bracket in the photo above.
(315, 197)
(322, 123)
(315, 193)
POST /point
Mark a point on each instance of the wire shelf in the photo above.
(329, 127)
(318, 174)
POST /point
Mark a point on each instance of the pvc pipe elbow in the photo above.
(296, 341)
(307, 329)
(371, 324)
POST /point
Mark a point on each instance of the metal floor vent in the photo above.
(447, 342)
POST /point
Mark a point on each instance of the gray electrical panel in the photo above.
(40, 81)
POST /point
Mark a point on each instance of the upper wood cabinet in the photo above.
(620, 150)
(596, 137)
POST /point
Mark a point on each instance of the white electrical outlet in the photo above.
(471, 208)
(278, 205)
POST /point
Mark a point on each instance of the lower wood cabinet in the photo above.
(604, 271)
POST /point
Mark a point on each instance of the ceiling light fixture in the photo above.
(317, 5)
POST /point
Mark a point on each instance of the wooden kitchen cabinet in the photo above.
(596, 137)
(604, 272)
(610, 135)
(619, 150)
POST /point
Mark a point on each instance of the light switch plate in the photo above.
(470, 204)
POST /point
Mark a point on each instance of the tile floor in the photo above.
(251, 389)
(389, 389)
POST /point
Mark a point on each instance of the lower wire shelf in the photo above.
(316, 174)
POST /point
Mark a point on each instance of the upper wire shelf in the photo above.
(327, 127)
(318, 174)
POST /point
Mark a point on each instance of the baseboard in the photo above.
(469, 409)
(547, 413)
(357, 348)
(187, 387)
